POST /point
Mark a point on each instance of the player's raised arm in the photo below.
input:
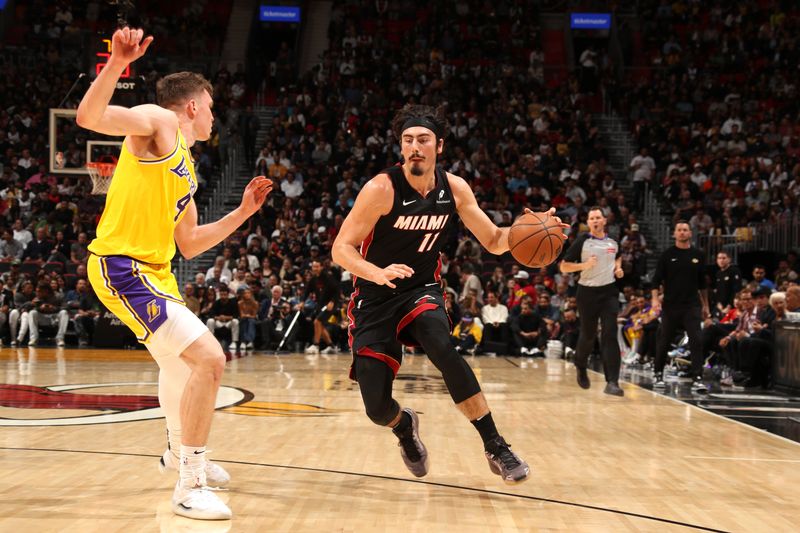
(94, 113)
(193, 239)
(491, 237)
(374, 201)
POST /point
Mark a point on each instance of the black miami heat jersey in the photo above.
(411, 234)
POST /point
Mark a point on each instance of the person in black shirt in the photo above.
(225, 314)
(83, 305)
(530, 331)
(680, 269)
(6, 305)
(391, 243)
(39, 248)
(326, 290)
(727, 282)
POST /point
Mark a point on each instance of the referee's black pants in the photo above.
(673, 318)
(599, 303)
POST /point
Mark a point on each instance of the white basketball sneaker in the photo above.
(199, 503)
(216, 476)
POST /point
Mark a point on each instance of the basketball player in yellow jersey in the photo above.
(149, 208)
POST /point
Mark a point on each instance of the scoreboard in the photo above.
(99, 60)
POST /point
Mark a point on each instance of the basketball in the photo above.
(535, 239)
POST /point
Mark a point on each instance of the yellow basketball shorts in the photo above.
(137, 293)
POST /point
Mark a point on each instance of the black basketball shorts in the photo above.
(378, 323)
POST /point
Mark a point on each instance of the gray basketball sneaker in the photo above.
(414, 453)
(506, 463)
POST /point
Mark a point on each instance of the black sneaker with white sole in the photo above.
(698, 385)
(658, 381)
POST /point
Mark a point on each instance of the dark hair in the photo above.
(596, 208)
(44, 285)
(679, 222)
(176, 88)
(759, 265)
(725, 253)
(409, 111)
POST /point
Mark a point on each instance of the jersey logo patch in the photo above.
(181, 170)
(441, 195)
(153, 310)
(408, 203)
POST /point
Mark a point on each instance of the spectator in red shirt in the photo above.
(521, 288)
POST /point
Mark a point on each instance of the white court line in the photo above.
(761, 416)
(748, 426)
(754, 408)
(742, 459)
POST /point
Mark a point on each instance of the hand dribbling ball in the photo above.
(535, 239)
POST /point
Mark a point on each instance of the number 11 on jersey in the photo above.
(426, 246)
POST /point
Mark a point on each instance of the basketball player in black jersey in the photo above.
(390, 242)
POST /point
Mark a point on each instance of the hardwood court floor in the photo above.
(305, 458)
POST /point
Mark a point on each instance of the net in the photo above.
(101, 174)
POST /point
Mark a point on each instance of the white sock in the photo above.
(193, 466)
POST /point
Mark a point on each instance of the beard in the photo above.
(416, 169)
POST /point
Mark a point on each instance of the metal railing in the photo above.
(781, 237)
(654, 219)
(213, 210)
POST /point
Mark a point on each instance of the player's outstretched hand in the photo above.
(127, 45)
(391, 272)
(255, 193)
(552, 214)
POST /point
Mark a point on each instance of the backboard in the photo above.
(71, 146)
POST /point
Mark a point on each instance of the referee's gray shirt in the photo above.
(606, 250)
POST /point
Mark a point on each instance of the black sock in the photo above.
(487, 429)
(404, 424)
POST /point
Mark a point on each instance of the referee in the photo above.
(680, 270)
(596, 256)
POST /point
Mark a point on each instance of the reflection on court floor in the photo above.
(304, 457)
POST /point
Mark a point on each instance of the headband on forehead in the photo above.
(424, 122)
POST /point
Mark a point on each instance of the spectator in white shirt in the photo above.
(21, 233)
(698, 177)
(291, 187)
(219, 271)
(324, 212)
(727, 126)
(470, 282)
(643, 168)
(495, 324)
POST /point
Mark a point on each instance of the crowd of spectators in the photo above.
(716, 108)
(721, 158)
(714, 112)
(517, 142)
(47, 220)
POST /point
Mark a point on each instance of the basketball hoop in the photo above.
(101, 174)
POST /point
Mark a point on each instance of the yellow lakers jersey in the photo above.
(146, 200)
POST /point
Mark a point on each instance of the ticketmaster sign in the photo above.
(590, 21)
(279, 14)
